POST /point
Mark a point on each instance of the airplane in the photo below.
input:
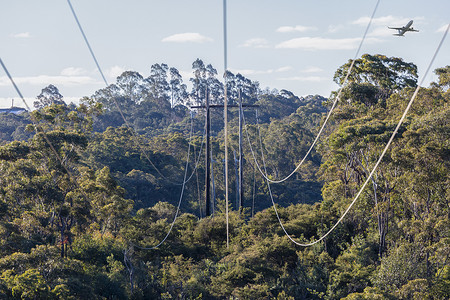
(404, 29)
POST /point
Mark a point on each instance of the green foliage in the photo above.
(399, 266)
(29, 285)
(14, 151)
(379, 70)
(79, 223)
(12, 127)
(353, 269)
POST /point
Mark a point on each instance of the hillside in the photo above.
(81, 221)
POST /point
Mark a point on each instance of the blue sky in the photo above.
(293, 45)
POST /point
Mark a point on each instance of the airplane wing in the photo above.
(398, 28)
(410, 29)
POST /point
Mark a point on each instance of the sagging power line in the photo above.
(135, 138)
(369, 178)
(316, 139)
(264, 174)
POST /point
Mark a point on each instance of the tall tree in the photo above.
(133, 85)
(199, 81)
(159, 87)
(215, 87)
(239, 84)
(48, 96)
(177, 88)
(386, 72)
(375, 77)
(444, 78)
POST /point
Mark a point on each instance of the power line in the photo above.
(71, 176)
(181, 197)
(198, 158)
(376, 164)
(135, 138)
(87, 43)
(38, 128)
(225, 112)
(329, 113)
(134, 134)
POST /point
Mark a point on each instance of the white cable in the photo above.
(115, 101)
(329, 113)
(225, 115)
(198, 157)
(377, 163)
(36, 124)
(179, 202)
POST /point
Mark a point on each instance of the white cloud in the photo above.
(256, 43)
(187, 37)
(304, 78)
(297, 28)
(312, 70)
(335, 28)
(21, 35)
(390, 20)
(44, 80)
(6, 102)
(115, 71)
(443, 28)
(73, 71)
(380, 25)
(381, 31)
(283, 69)
(186, 74)
(386, 20)
(75, 100)
(318, 43)
(247, 72)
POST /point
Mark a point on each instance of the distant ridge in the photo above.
(13, 110)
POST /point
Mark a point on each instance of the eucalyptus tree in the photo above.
(240, 85)
(48, 96)
(198, 81)
(159, 87)
(178, 91)
(132, 85)
(205, 79)
(375, 77)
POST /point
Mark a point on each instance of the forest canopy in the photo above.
(79, 219)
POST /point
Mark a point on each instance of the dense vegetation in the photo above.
(76, 225)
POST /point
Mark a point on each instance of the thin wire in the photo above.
(38, 128)
(198, 192)
(329, 113)
(198, 157)
(71, 177)
(116, 103)
(225, 43)
(87, 42)
(253, 191)
(213, 184)
(181, 197)
(225, 112)
(376, 164)
(134, 134)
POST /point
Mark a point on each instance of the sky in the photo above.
(283, 44)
